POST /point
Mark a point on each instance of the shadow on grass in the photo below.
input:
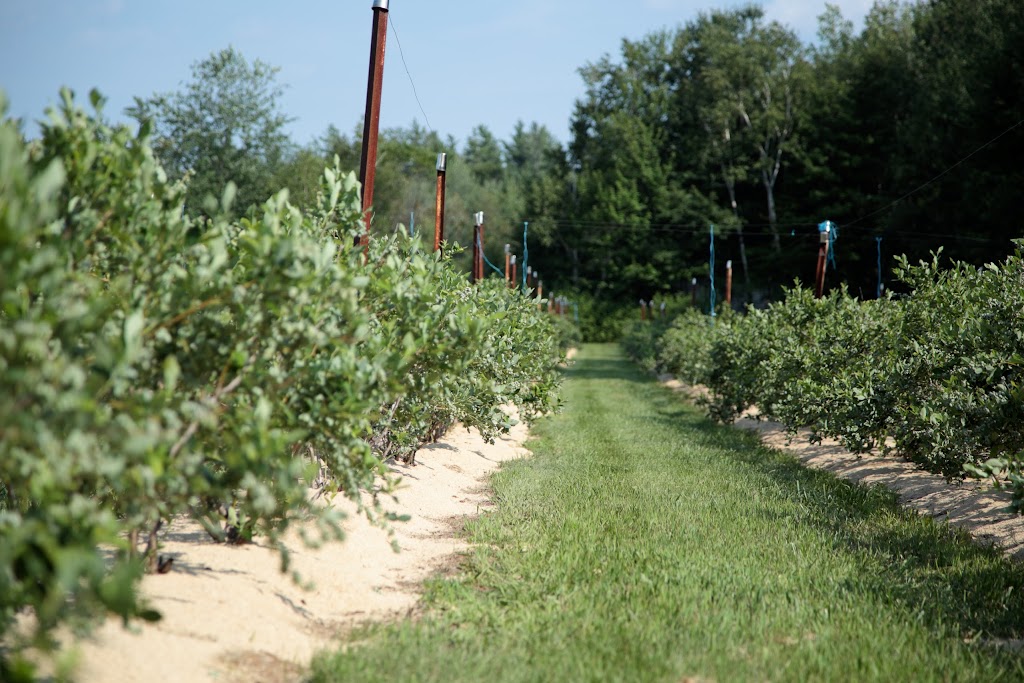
(604, 368)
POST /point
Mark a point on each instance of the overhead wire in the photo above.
(696, 229)
(401, 53)
(699, 230)
(939, 176)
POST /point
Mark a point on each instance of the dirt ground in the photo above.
(230, 615)
(971, 506)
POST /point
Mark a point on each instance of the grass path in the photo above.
(642, 543)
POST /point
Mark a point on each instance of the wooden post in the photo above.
(512, 284)
(371, 119)
(508, 257)
(823, 245)
(442, 168)
(728, 283)
(643, 310)
(693, 292)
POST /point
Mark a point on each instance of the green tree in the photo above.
(756, 74)
(224, 125)
(482, 155)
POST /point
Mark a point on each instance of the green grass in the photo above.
(643, 543)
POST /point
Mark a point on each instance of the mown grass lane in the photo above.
(643, 543)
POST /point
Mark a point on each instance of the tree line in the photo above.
(906, 134)
(909, 131)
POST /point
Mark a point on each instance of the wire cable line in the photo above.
(480, 248)
(401, 53)
(944, 173)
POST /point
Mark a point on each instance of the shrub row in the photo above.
(152, 366)
(935, 375)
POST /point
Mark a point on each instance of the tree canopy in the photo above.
(223, 125)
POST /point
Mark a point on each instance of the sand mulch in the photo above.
(230, 615)
(968, 505)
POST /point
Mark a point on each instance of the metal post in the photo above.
(711, 271)
(526, 256)
(371, 119)
(878, 243)
(442, 167)
(478, 246)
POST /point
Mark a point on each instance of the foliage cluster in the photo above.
(154, 365)
(935, 376)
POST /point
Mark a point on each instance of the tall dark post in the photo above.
(819, 278)
(371, 119)
(476, 254)
(478, 246)
(442, 167)
(728, 283)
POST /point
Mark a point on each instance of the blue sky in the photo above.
(486, 62)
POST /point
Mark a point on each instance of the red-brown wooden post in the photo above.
(512, 282)
(442, 168)
(728, 283)
(819, 277)
(371, 119)
(508, 257)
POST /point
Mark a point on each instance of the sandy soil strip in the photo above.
(230, 615)
(969, 505)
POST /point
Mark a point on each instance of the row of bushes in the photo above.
(935, 375)
(153, 366)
